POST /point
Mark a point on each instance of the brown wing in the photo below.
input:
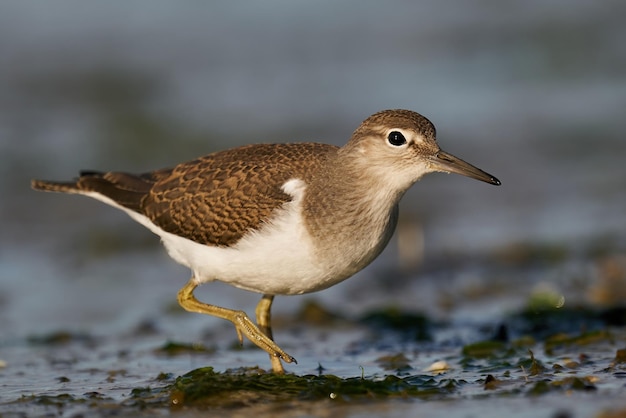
(216, 199)
(213, 200)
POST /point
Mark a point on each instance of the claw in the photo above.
(288, 359)
(239, 335)
(244, 325)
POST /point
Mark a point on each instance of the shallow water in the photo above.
(529, 91)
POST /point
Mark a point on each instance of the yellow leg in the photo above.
(263, 320)
(242, 322)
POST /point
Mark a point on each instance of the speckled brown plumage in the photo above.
(213, 200)
(216, 199)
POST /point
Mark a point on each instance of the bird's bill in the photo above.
(451, 164)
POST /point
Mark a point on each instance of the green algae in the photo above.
(173, 348)
(563, 340)
(531, 365)
(61, 337)
(58, 401)
(206, 387)
(64, 401)
(487, 349)
(571, 383)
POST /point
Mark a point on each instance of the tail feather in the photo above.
(55, 186)
(127, 190)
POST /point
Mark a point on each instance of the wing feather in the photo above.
(216, 199)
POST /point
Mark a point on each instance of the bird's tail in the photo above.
(124, 189)
(55, 186)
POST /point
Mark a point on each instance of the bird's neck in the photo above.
(349, 214)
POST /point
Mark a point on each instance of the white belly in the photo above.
(279, 258)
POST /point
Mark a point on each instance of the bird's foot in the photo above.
(242, 322)
(245, 326)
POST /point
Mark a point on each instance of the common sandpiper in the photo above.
(279, 219)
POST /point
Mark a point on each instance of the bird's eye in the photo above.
(396, 138)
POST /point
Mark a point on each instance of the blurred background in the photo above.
(533, 92)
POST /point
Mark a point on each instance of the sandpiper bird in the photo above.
(279, 219)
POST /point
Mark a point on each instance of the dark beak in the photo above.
(448, 163)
